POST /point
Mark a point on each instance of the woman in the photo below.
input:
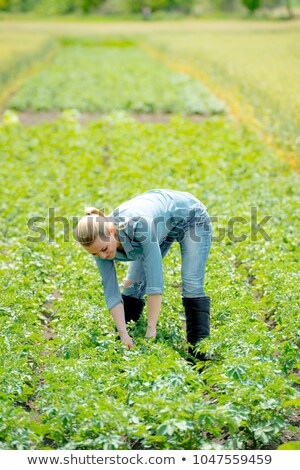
(141, 231)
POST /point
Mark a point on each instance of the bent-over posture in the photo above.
(141, 231)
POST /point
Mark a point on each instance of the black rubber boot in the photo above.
(133, 308)
(197, 314)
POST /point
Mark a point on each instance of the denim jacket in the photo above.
(143, 223)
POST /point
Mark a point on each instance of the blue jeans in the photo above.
(195, 243)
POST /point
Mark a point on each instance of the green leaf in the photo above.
(292, 445)
(165, 430)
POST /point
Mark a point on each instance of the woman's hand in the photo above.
(151, 332)
(125, 338)
(118, 315)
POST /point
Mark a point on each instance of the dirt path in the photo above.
(29, 118)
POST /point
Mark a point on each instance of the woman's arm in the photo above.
(110, 284)
(118, 315)
(154, 304)
(146, 234)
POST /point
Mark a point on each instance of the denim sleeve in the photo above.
(145, 234)
(109, 282)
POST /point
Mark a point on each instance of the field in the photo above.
(18, 51)
(101, 63)
(258, 70)
(66, 382)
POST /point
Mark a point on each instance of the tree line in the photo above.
(145, 7)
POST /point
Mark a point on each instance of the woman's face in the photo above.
(105, 249)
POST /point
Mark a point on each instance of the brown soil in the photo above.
(48, 315)
(29, 118)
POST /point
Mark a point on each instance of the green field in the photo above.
(112, 75)
(261, 68)
(18, 50)
(66, 382)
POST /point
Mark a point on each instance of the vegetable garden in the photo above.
(66, 382)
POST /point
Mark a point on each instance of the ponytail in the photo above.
(93, 211)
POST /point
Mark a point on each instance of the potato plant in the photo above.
(66, 381)
(109, 75)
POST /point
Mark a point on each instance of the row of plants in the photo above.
(67, 382)
(19, 50)
(104, 75)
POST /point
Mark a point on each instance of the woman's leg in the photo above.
(135, 281)
(134, 291)
(195, 247)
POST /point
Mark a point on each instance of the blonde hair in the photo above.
(91, 226)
